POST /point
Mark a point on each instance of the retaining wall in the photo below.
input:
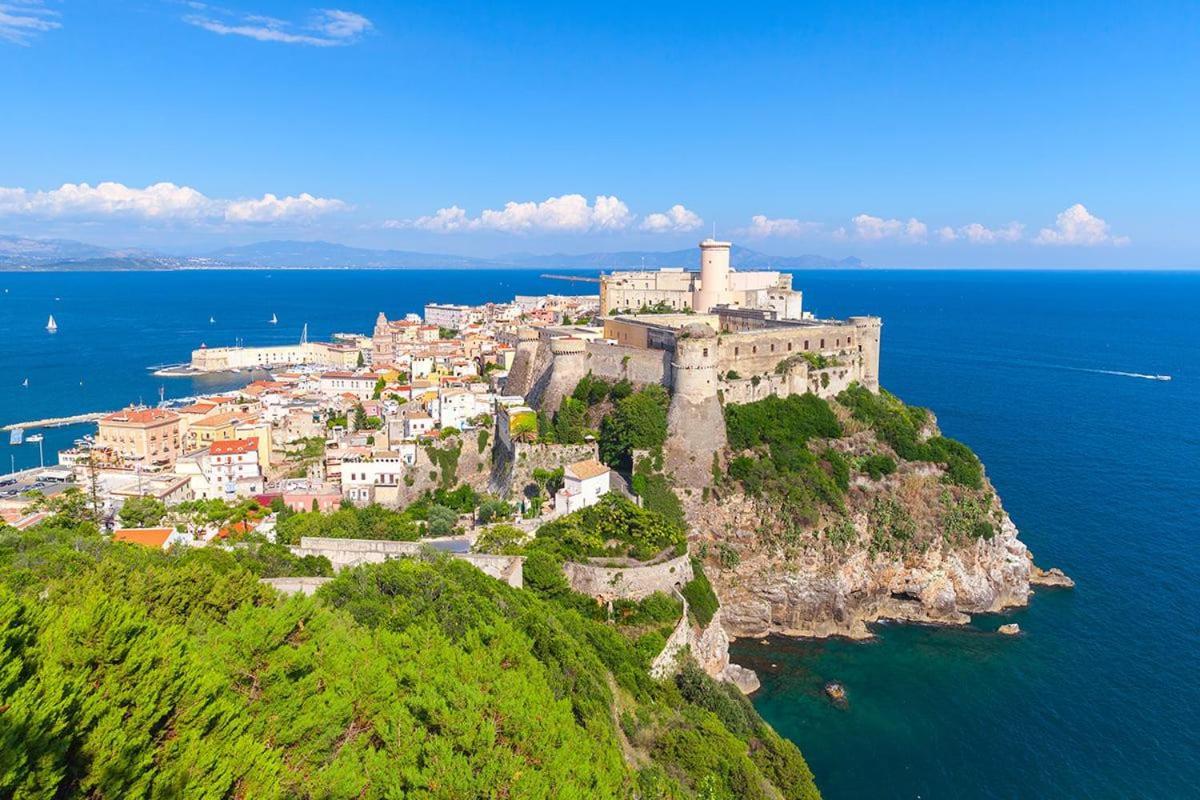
(628, 583)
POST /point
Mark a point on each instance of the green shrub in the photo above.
(877, 466)
(702, 600)
(900, 426)
(637, 422)
(612, 527)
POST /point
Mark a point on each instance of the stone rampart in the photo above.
(639, 366)
(628, 583)
(349, 553)
(305, 586)
(528, 457)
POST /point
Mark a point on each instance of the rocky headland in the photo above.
(923, 540)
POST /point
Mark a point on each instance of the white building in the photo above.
(228, 469)
(448, 315)
(584, 483)
(361, 385)
(363, 476)
(417, 423)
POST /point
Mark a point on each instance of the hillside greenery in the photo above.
(771, 458)
(900, 426)
(126, 672)
(638, 422)
(613, 528)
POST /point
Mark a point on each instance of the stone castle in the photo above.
(736, 337)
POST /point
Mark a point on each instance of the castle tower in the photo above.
(867, 331)
(568, 367)
(714, 276)
(695, 421)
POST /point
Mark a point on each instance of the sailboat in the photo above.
(211, 320)
(304, 334)
(25, 383)
(274, 319)
(51, 325)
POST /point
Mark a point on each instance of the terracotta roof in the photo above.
(197, 408)
(590, 468)
(233, 446)
(142, 416)
(219, 420)
(146, 537)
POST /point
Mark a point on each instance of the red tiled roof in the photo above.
(146, 537)
(219, 420)
(233, 446)
(142, 416)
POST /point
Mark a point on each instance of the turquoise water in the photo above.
(1097, 699)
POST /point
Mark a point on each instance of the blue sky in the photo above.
(930, 134)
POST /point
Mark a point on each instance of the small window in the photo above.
(735, 351)
(822, 344)
(754, 349)
(789, 347)
(772, 347)
(706, 352)
(806, 344)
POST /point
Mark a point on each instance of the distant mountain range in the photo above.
(18, 252)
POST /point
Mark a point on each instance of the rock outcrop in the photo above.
(773, 576)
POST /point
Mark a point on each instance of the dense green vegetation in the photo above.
(613, 527)
(369, 522)
(770, 439)
(637, 422)
(702, 600)
(129, 673)
(900, 426)
(142, 512)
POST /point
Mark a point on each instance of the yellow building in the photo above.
(148, 436)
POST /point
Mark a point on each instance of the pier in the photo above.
(576, 278)
(57, 422)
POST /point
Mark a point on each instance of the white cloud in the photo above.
(1078, 226)
(270, 208)
(676, 219)
(162, 201)
(762, 226)
(871, 228)
(975, 233)
(328, 27)
(23, 20)
(445, 220)
(569, 213)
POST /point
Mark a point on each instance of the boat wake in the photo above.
(1142, 375)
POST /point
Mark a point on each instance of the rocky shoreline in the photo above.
(811, 589)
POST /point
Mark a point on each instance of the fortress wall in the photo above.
(349, 553)
(305, 586)
(568, 369)
(839, 379)
(529, 457)
(825, 383)
(743, 390)
(640, 366)
(540, 374)
(628, 583)
(757, 352)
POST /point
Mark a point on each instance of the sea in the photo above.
(1047, 375)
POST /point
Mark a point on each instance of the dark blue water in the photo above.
(1099, 696)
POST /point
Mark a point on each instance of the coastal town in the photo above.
(353, 420)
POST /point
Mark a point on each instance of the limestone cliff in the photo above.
(907, 546)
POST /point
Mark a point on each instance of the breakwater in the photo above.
(57, 422)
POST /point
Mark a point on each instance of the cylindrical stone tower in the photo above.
(714, 276)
